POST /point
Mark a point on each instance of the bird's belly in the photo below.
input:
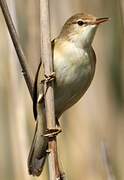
(72, 80)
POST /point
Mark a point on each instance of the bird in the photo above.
(74, 63)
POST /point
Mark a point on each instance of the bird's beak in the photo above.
(101, 20)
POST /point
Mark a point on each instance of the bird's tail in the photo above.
(38, 149)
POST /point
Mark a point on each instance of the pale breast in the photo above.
(73, 70)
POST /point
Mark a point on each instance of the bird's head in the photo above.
(81, 29)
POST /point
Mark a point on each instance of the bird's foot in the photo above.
(52, 132)
(48, 78)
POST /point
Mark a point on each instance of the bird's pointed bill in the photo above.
(101, 20)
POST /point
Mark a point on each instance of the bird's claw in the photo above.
(48, 78)
(50, 133)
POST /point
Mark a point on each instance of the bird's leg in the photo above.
(49, 132)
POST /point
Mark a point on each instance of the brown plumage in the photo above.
(74, 65)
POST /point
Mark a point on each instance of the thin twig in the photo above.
(19, 51)
(107, 163)
(46, 56)
(121, 11)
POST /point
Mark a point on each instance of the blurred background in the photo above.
(91, 146)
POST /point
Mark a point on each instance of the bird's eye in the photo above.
(80, 23)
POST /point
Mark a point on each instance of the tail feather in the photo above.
(38, 149)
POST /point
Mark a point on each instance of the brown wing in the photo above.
(35, 93)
